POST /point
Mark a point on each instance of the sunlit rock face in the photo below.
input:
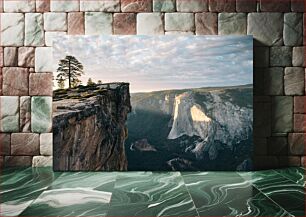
(89, 128)
(217, 120)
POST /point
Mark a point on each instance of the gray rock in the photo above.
(282, 117)
(280, 56)
(267, 28)
(261, 56)
(298, 56)
(294, 81)
(232, 23)
(274, 81)
(293, 29)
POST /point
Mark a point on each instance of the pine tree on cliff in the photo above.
(70, 69)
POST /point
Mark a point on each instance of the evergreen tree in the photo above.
(70, 69)
(90, 82)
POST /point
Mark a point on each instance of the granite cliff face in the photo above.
(191, 129)
(89, 128)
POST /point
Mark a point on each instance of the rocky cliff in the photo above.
(89, 128)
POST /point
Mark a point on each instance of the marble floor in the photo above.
(42, 192)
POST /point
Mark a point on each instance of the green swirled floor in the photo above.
(42, 192)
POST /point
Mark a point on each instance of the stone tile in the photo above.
(304, 29)
(42, 161)
(262, 119)
(1, 56)
(34, 29)
(259, 81)
(293, 29)
(299, 123)
(266, 28)
(136, 5)
(26, 56)
(101, 5)
(15, 81)
(124, 24)
(261, 56)
(232, 24)
(64, 6)
(163, 5)
(42, 5)
(299, 104)
(271, 6)
(222, 6)
(281, 56)
(179, 33)
(289, 161)
(9, 114)
(298, 56)
(1, 81)
(192, 5)
(303, 161)
(294, 81)
(206, 23)
(260, 146)
(19, 6)
(76, 23)
(246, 5)
(41, 114)
(25, 114)
(274, 81)
(179, 22)
(50, 36)
(12, 29)
(282, 117)
(40, 84)
(297, 5)
(25, 144)
(265, 162)
(296, 143)
(55, 21)
(278, 146)
(43, 55)
(18, 161)
(46, 144)
(150, 24)
(10, 56)
(98, 23)
(5, 144)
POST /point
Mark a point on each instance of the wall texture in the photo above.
(28, 26)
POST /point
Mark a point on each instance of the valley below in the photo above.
(191, 129)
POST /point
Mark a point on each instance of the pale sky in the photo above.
(151, 63)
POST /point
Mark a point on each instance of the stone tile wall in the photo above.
(28, 26)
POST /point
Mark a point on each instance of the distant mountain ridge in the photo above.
(189, 127)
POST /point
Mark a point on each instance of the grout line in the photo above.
(190, 195)
(291, 180)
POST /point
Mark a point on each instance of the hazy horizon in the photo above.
(156, 63)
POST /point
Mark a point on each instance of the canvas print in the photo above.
(163, 103)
